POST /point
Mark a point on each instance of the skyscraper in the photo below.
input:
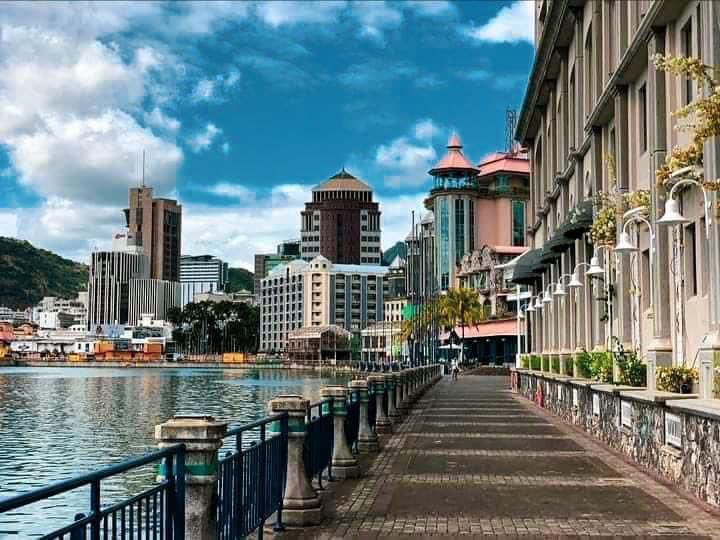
(156, 225)
(342, 223)
(201, 274)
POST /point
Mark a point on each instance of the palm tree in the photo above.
(460, 306)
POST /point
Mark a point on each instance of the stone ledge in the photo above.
(614, 388)
(582, 382)
(656, 396)
(709, 408)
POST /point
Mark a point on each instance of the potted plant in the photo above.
(677, 379)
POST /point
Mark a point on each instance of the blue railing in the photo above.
(251, 479)
(157, 513)
(318, 447)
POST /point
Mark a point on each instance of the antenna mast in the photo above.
(143, 169)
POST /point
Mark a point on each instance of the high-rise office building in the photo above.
(342, 222)
(109, 285)
(156, 225)
(201, 274)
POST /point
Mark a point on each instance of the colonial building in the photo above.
(342, 222)
(597, 118)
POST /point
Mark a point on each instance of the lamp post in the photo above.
(626, 245)
(687, 176)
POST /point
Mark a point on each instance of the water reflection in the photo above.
(59, 422)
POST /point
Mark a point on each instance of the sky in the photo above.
(241, 108)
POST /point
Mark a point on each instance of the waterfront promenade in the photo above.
(474, 459)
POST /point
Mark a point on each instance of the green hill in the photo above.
(239, 278)
(28, 273)
(400, 248)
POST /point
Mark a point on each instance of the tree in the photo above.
(460, 307)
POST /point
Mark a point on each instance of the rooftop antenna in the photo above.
(510, 124)
(143, 168)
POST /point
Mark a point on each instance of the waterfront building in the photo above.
(597, 118)
(319, 293)
(53, 313)
(239, 297)
(342, 222)
(382, 343)
(151, 297)
(155, 224)
(201, 274)
(264, 263)
(109, 285)
(289, 248)
(319, 345)
(15, 316)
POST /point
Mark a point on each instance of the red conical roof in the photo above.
(454, 160)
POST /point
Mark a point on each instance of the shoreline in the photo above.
(172, 365)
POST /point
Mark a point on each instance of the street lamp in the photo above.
(688, 176)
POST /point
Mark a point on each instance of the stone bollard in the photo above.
(367, 440)
(344, 465)
(390, 382)
(202, 437)
(400, 389)
(301, 504)
(382, 422)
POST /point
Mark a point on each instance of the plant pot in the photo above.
(685, 388)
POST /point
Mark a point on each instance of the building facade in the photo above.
(151, 298)
(156, 225)
(201, 274)
(342, 222)
(109, 285)
(597, 118)
(319, 293)
(264, 263)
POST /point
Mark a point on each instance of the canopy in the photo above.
(524, 272)
(506, 327)
(579, 221)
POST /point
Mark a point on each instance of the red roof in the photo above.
(512, 162)
(507, 327)
(454, 160)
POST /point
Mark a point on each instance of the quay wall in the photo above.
(674, 436)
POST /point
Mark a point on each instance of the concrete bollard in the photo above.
(202, 437)
(344, 465)
(390, 382)
(367, 439)
(382, 422)
(301, 504)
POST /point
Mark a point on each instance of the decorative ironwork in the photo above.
(352, 423)
(157, 513)
(318, 447)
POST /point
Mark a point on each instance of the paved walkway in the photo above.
(473, 459)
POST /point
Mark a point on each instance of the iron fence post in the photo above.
(261, 480)
(238, 524)
(179, 518)
(279, 527)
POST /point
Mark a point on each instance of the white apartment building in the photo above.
(319, 293)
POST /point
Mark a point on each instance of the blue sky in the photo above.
(242, 108)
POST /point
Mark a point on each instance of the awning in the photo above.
(579, 221)
(507, 327)
(524, 272)
(548, 255)
(558, 243)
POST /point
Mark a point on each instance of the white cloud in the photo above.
(8, 223)
(376, 17)
(397, 215)
(290, 13)
(157, 119)
(232, 78)
(374, 73)
(204, 90)
(512, 24)
(425, 129)
(232, 191)
(430, 8)
(203, 140)
(407, 159)
(225, 147)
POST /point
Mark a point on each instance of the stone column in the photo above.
(301, 504)
(344, 465)
(202, 437)
(367, 440)
(400, 392)
(382, 422)
(393, 413)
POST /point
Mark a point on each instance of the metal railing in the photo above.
(157, 513)
(251, 479)
(352, 421)
(318, 447)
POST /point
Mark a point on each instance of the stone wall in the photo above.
(633, 421)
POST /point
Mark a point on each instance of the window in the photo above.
(690, 261)
(642, 120)
(705, 277)
(518, 223)
(459, 229)
(686, 50)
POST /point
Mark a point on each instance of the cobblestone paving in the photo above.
(539, 478)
